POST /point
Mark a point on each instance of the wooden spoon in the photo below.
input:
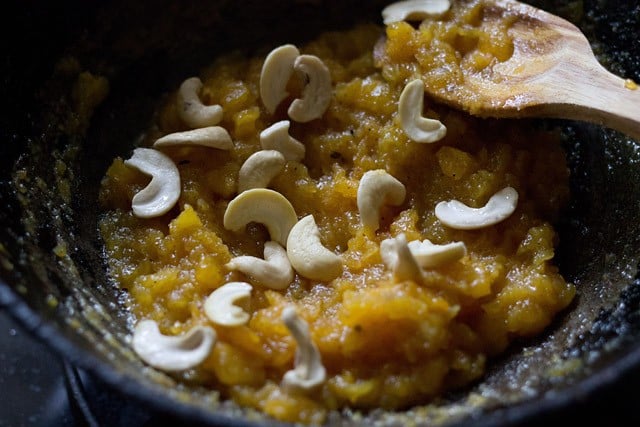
(552, 73)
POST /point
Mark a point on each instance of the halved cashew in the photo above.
(376, 188)
(265, 206)
(163, 191)
(276, 72)
(308, 372)
(219, 306)
(429, 255)
(418, 128)
(307, 254)
(274, 271)
(414, 10)
(396, 255)
(212, 136)
(172, 353)
(457, 215)
(316, 94)
(191, 109)
(259, 169)
(276, 137)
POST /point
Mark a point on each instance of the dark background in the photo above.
(37, 388)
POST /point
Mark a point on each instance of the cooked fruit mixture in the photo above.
(305, 231)
(466, 42)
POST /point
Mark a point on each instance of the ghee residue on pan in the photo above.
(384, 343)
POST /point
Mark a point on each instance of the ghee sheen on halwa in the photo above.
(384, 343)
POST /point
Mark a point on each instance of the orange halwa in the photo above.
(384, 343)
(464, 44)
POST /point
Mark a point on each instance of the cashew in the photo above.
(308, 372)
(163, 191)
(274, 271)
(377, 187)
(276, 137)
(307, 255)
(418, 128)
(429, 255)
(191, 109)
(457, 215)
(169, 353)
(219, 305)
(397, 256)
(276, 72)
(259, 169)
(212, 136)
(316, 95)
(414, 10)
(264, 206)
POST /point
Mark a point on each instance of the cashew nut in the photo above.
(212, 136)
(191, 109)
(169, 353)
(414, 10)
(264, 206)
(457, 215)
(429, 255)
(219, 306)
(397, 256)
(308, 372)
(276, 72)
(377, 187)
(418, 128)
(259, 169)
(316, 94)
(274, 271)
(307, 254)
(163, 191)
(276, 137)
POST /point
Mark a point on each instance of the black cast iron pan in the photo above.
(53, 276)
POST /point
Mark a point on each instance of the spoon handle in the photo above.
(592, 93)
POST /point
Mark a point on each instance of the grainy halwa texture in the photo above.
(384, 343)
(454, 53)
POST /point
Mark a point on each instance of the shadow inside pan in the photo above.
(51, 256)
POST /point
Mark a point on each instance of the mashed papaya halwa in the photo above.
(385, 339)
